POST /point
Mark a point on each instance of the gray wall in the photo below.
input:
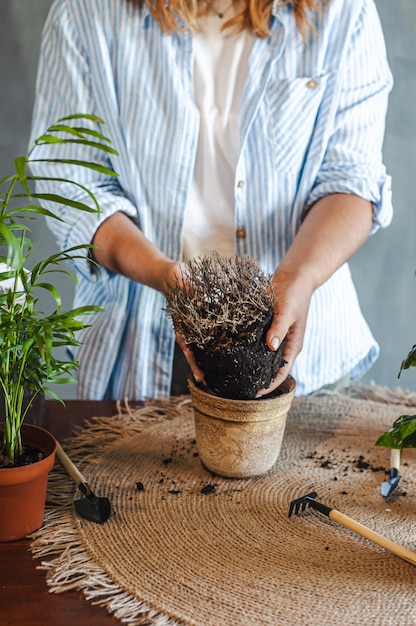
(383, 270)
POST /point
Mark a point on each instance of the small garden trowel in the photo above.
(390, 485)
(91, 507)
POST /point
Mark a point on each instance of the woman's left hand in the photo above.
(293, 293)
(334, 228)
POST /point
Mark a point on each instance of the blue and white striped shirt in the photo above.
(311, 124)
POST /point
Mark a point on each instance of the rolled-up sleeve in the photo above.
(63, 88)
(353, 161)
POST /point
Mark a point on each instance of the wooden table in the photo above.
(24, 597)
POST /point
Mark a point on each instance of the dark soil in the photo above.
(241, 373)
(344, 463)
(28, 457)
(208, 489)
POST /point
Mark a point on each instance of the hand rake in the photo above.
(336, 516)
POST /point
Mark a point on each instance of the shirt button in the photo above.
(312, 84)
(241, 233)
(240, 183)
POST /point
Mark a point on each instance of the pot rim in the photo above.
(288, 386)
(260, 409)
(48, 449)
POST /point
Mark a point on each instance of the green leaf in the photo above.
(84, 142)
(28, 344)
(20, 165)
(84, 116)
(52, 290)
(97, 167)
(47, 139)
(14, 254)
(56, 259)
(78, 131)
(53, 395)
(64, 381)
(54, 270)
(52, 197)
(29, 209)
(8, 179)
(48, 339)
(401, 435)
(6, 274)
(409, 361)
(87, 309)
(72, 182)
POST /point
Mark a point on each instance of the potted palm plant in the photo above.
(222, 308)
(402, 434)
(29, 336)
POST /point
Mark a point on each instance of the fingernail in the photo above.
(275, 343)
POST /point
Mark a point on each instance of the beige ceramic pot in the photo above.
(240, 438)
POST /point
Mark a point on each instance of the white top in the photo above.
(220, 66)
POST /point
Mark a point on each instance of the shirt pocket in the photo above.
(294, 105)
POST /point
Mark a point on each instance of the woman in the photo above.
(248, 127)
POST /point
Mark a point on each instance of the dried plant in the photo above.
(223, 308)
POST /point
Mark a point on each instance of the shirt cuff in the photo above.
(378, 193)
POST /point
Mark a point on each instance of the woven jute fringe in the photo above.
(142, 566)
(74, 569)
(373, 392)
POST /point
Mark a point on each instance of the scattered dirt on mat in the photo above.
(208, 489)
(344, 462)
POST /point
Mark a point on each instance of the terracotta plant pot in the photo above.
(23, 489)
(240, 438)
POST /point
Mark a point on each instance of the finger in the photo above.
(278, 330)
(198, 374)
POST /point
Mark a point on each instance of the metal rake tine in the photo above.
(303, 502)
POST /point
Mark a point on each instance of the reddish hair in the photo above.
(255, 15)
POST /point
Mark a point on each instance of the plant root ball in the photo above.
(240, 374)
(223, 308)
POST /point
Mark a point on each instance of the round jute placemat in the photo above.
(183, 546)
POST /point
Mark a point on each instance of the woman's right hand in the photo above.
(176, 275)
(121, 247)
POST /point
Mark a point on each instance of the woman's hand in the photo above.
(197, 373)
(293, 293)
(122, 248)
(176, 273)
(334, 228)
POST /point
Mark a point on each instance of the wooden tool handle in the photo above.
(72, 470)
(383, 542)
(395, 459)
